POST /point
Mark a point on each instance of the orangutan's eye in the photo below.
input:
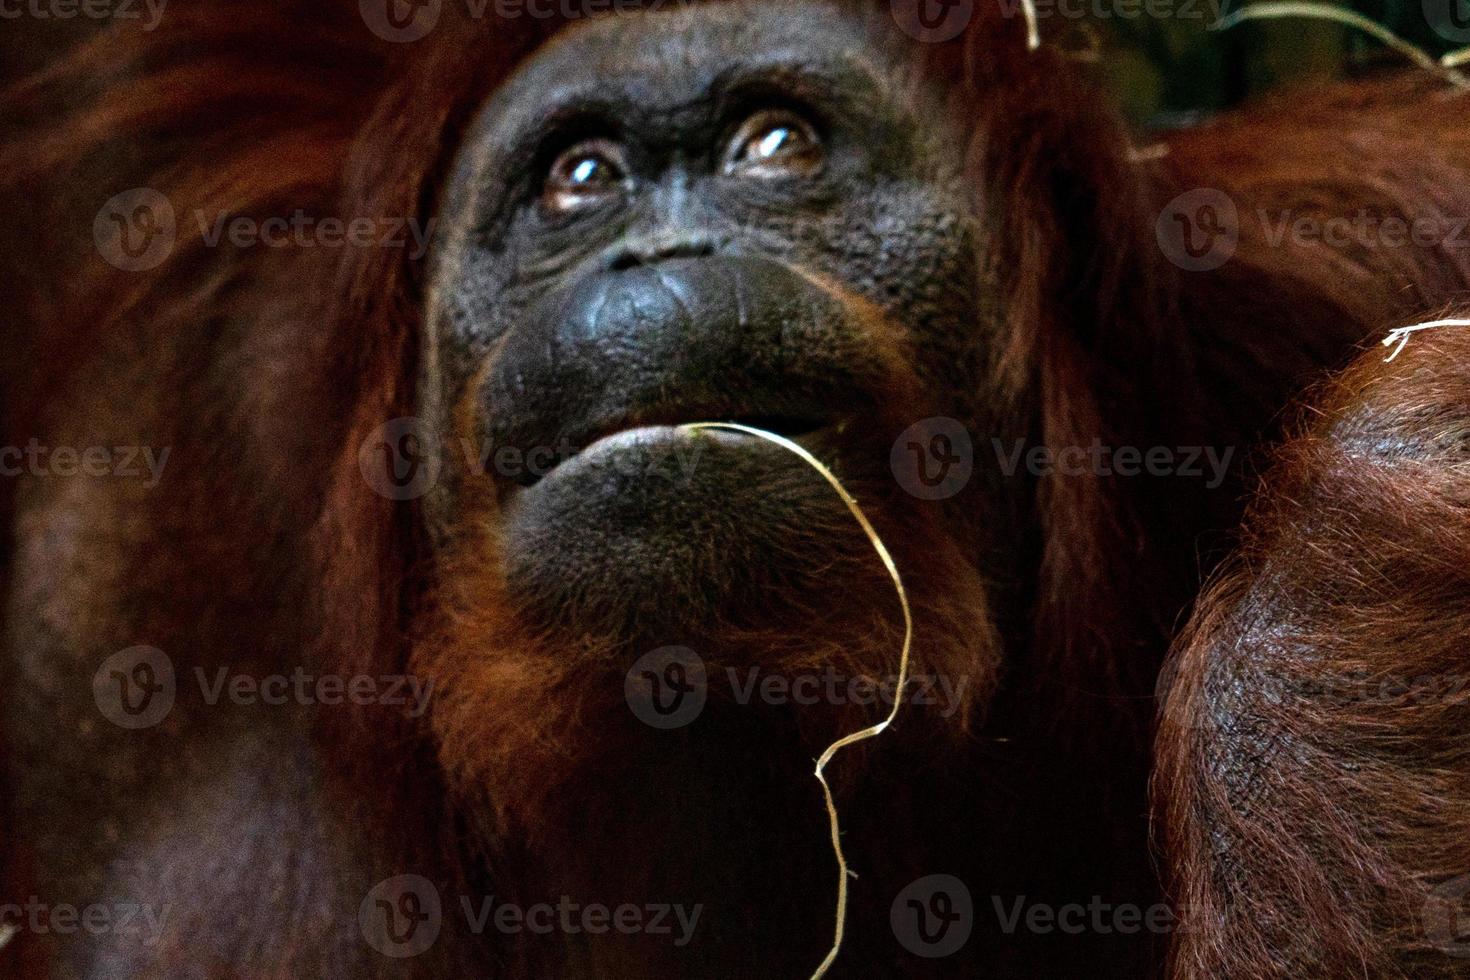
(775, 143)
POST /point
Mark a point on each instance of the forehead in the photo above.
(661, 60)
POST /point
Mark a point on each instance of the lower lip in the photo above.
(656, 438)
(677, 440)
(659, 435)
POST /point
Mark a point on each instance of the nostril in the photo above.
(631, 255)
(624, 260)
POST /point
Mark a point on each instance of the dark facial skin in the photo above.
(698, 215)
(728, 212)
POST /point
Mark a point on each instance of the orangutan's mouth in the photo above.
(671, 524)
(665, 429)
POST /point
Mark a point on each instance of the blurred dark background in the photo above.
(1173, 68)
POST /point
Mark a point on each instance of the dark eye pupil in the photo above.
(587, 173)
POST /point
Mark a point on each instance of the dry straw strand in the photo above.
(1402, 334)
(1033, 24)
(903, 665)
(1455, 58)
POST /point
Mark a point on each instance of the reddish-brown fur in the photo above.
(268, 370)
(1312, 758)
